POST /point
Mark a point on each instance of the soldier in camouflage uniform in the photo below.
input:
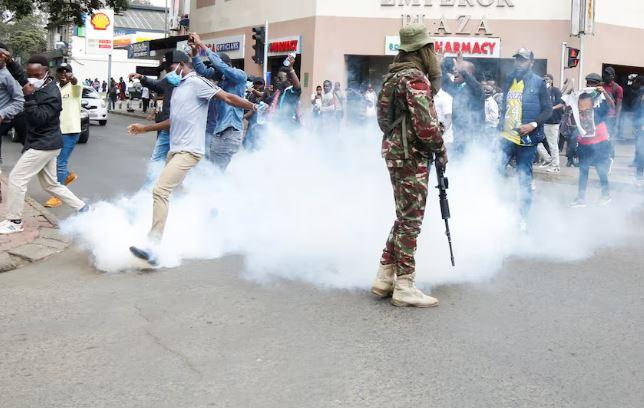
(412, 135)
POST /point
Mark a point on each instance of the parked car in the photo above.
(96, 105)
(19, 130)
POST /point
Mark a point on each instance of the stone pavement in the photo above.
(39, 240)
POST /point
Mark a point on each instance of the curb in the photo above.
(43, 211)
(130, 115)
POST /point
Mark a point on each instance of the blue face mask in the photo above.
(173, 78)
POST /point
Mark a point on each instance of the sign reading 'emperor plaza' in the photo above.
(448, 3)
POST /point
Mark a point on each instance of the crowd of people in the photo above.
(428, 105)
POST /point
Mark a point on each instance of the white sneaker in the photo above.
(578, 203)
(604, 201)
(10, 227)
(554, 170)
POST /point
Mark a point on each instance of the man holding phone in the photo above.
(224, 131)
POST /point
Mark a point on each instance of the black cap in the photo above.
(176, 56)
(524, 53)
(593, 78)
(64, 67)
(610, 71)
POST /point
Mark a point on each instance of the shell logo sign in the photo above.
(100, 21)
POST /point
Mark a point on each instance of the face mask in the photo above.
(173, 78)
(36, 83)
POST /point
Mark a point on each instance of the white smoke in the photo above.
(318, 208)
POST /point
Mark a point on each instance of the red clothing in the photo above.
(617, 92)
(601, 135)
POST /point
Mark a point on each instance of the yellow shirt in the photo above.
(70, 117)
(514, 112)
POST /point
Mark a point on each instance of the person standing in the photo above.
(593, 135)
(443, 102)
(339, 103)
(412, 134)
(614, 113)
(286, 97)
(43, 143)
(551, 128)
(468, 112)
(145, 98)
(112, 94)
(225, 128)
(11, 97)
(104, 86)
(70, 126)
(122, 89)
(491, 110)
(525, 109)
(328, 110)
(187, 125)
(370, 98)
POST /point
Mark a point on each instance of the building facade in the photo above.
(355, 40)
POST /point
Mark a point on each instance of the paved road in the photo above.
(110, 164)
(540, 334)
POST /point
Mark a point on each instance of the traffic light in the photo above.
(573, 57)
(259, 36)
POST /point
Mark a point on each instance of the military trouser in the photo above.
(410, 194)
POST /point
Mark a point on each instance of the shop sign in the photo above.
(233, 46)
(392, 43)
(446, 3)
(451, 46)
(470, 47)
(99, 33)
(283, 46)
(138, 50)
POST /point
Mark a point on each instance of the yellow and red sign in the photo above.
(100, 21)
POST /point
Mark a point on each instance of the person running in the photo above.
(42, 146)
(187, 124)
(70, 125)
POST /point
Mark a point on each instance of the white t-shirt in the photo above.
(189, 114)
(370, 99)
(443, 104)
(491, 112)
(145, 93)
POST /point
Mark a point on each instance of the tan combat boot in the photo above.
(383, 286)
(407, 294)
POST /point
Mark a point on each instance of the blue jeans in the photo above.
(597, 155)
(223, 146)
(69, 142)
(162, 146)
(525, 157)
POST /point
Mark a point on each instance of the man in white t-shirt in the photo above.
(187, 124)
(71, 93)
(145, 98)
(443, 105)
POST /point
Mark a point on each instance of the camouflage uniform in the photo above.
(405, 105)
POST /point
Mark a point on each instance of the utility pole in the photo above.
(265, 64)
(564, 63)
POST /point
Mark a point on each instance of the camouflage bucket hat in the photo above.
(414, 37)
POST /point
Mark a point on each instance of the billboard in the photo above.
(99, 32)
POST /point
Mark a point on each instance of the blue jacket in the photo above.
(221, 116)
(537, 106)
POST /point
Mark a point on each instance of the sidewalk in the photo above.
(621, 178)
(39, 240)
(136, 105)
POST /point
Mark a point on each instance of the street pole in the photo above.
(564, 63)
(265, 65)
(109, 78)
(581, 59)
(165, 15)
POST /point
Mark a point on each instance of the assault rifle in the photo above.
(443, 185)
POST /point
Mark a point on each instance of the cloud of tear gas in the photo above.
(318, 208)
